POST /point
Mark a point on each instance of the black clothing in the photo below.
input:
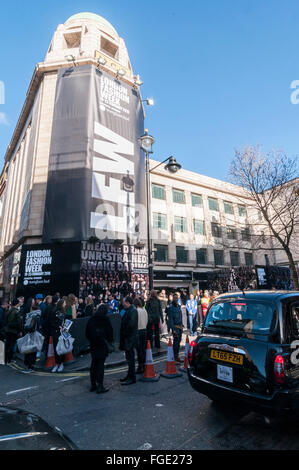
(89, 310)
(129, 329)
(56, 320)
(97, 371)
(29, 360)
(153, 329)
(141, 348)
(11, 339)
(129, 338)
(154, 310)
(98, 331)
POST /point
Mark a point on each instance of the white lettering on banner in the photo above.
(104, 220)
(117, 145)
(34, 266)
(112, 193)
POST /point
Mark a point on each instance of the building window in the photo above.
(109, 48)
(228, 208)
(267, 260)
(180, 224)
(245, 234)
(181, 255)
(159, 221)
(219, 257)
(161, 253)
(178, 196)
(201, 256)
(231, 233)
(213, 204)
(158, 192)
(199, 227)
(196, 200)
(234, 258)
(242, 211)
(72, 40)
(248, 259)
(216, 230)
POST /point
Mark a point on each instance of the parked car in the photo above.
(246, 351)
(20, 430)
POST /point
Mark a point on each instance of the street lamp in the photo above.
(146, 143)
(149, 101)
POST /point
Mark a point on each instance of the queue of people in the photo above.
(143, 318)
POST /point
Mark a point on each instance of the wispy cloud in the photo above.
(3, 119)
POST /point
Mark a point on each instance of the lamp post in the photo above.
(146, 143)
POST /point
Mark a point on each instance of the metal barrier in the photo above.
(78, 328)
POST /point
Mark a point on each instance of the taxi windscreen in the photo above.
(246, 316)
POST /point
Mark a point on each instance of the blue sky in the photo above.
(219, 70)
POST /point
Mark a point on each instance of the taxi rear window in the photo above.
(247, 316)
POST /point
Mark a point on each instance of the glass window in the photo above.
(196, 200)
(199, 227)
(201, 256)
(158, 192)
(178, 196)
(245, 234)
(159, 221)
(219, 257)
(248, 259)
(161, 253)
(180, 224)
(231, 233)
(213, 204)
(216, 230)
(249, 316)
(234, 258)
(181, 255)
(228, 208)
(242, 211)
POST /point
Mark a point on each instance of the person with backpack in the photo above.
(13, 330)
(32, 322)
(99, 333)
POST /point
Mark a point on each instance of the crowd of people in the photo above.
(143, 317)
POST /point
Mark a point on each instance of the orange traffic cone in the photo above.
(170, 371)
(69, 358)
(186, 361)
(50, 363)
(149, 370)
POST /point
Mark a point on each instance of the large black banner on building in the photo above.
(96, 184)
(49, 268)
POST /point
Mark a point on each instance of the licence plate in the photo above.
(225, 373)
(226, 356)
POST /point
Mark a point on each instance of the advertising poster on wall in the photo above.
(49, 268)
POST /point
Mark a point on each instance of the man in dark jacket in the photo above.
(155, 316)
(13, 329)
(129, 338)
(3, 311)
(174, 313)
(99, 331)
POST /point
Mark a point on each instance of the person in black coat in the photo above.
(98, 332)
(129, 339)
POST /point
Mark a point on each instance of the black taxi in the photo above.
(249, 351)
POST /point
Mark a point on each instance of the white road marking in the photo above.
(159, 405)
(66, 380)
(21, 390)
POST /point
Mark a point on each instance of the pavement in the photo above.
(115, 359)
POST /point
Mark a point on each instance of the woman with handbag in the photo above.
(55, 323)
(32, 322)
(99, 333)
